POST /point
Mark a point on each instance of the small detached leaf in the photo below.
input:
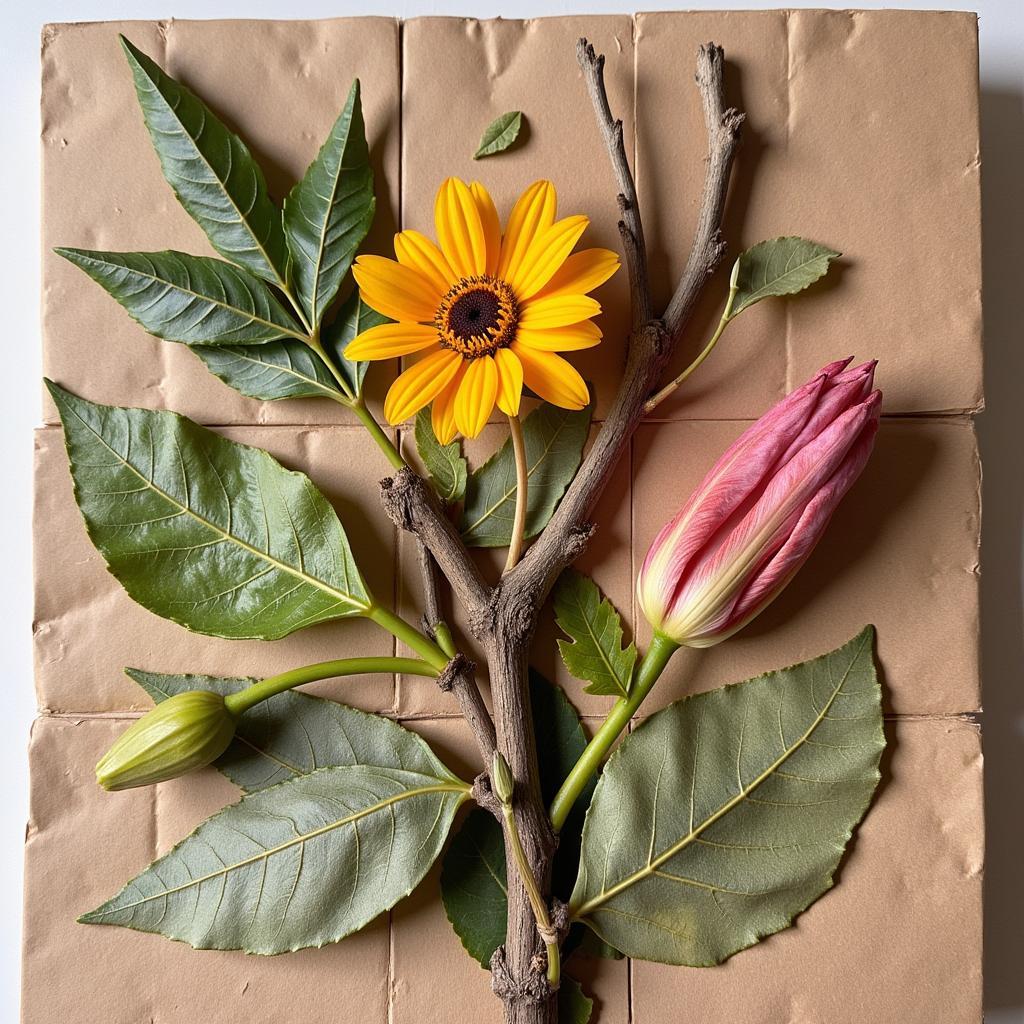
(779, 266)
(444, 462)
(500, 134)
(354, 317)
(554, 440)
(725, 815)
(594, 651)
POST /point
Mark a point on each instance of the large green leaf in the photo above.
(594, 651)
(192, 299)
(474, 879)
(327, 214)
(354, 317)
(303, 863)
(444, 462)
(290, 734)
(554, 440)
(211, 172)
(779, 266)
(214, 535)
(270, 372)
(725, 815)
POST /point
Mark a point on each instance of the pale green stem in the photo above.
(650, 668)
(252, 695)
(444, 638)
(540, 910)
(377, 433)
(409, 635)
(515, 548)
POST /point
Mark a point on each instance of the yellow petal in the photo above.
(396, 291)
(559, 311)
(533, 213)
(420, 384)
(547, 254)
(491, 224)
(459, 229)
(510, 381)
(551, 377)
(418, 252)
(474, 401)
(561, 339)
(442, 413)
(390, 340)
(582, 272)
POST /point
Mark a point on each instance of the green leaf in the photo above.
(211, 534)
(303, 863)
(211, 172)
(595, 650)
(725, 815)
(270, 372)
(444, 462)
(554, 440)
(192, 299)
(499, 134)
(474, 879)
(354, 317)
(573, 1006)
(328, 213)
(779, 266)
(290, 734)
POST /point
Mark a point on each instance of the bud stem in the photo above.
(650, 668)
(236, 703)
(409, 635)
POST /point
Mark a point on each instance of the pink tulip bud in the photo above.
(757, 515)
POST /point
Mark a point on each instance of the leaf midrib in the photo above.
(652, 866)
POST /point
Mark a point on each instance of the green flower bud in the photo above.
(186, 731)
(501, 779)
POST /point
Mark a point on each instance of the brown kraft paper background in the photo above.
(862, 133)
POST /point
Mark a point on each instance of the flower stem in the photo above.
(409, 635)
(539, 907)
(515, 548)
(651, 667)
(252, 695)
(358, 406)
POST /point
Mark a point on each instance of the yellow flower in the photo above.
(484, 313)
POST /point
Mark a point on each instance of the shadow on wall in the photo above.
(1000, 434)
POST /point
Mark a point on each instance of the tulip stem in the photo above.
(652, 403)
(650, 668)
(515, 548)
(245, 699)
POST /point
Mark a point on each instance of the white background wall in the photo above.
(1001, 428)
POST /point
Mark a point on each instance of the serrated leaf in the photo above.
(354, 317)
(270, 372)
(499, 134)
(574, 1007)
(214, 535)
(211, 172)
(303, 863)
(292, 733)
(779, 266)
(444, 462)
(328, 213)
(725, 815)
(190, 299)
(594, 651)
(474, 879)
(554, 440)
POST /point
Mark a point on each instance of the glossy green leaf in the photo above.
(779, 266)
(291, 733)
(722, 817)
(444, 462)
(192, 299)
(554, 440)
(499, 134)
(270, 372)
(574, 1007)
(303, 863)
(594, 651)
(328, 213)
(211, 172)
(211, 534)
(354, 317)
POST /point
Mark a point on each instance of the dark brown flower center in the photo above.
(478, 316)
